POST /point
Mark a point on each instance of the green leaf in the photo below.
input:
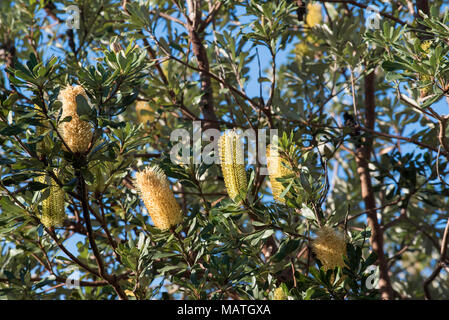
(285, 249)
(82, 106)
(36, 186)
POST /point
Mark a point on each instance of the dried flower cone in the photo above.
(77, 134)
(233, 164)
(159, 200)
(329, 247)
(53, 213)
(279, 294)
(277, 168)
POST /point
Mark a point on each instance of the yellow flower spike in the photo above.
(233, 164)
(53, 212)
(329, 247)
(279, 294)
(76, 133)
(301, 50)
(425, 90)
(308, 47)
(314, 15)
(425, 46)
(159, 200)
(129, 293)
(277, 168)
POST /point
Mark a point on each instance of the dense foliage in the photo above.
(358, 189)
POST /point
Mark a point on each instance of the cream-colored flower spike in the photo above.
(53, 211)
(233, 164)
(329, 247)
(279, 294)
(77, 134)
(314, 15)
(277, 168)
(159, 200)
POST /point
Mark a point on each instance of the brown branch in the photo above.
(168, 17)
(241, 94)
(441, 263)
(164, 79)
(69, 254)
(410, 140)
(100, 283)
(442, 136)
(211, 16)
(422, 5)
(369, 130)
(429, 280)
(363, 154)
(207, 99)
(369, 210)
(101, 269)
(444, 242)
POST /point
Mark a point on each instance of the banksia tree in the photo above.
(53, 210)
(359, 102)
(77, 133)
(233, 164)
(158, 198)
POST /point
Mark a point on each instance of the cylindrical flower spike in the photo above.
(279, 294)
(314, 15)
(77, 133)
(159, 200)
(53, 212)
(277, 168)
(233, 164)
(329, 247)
